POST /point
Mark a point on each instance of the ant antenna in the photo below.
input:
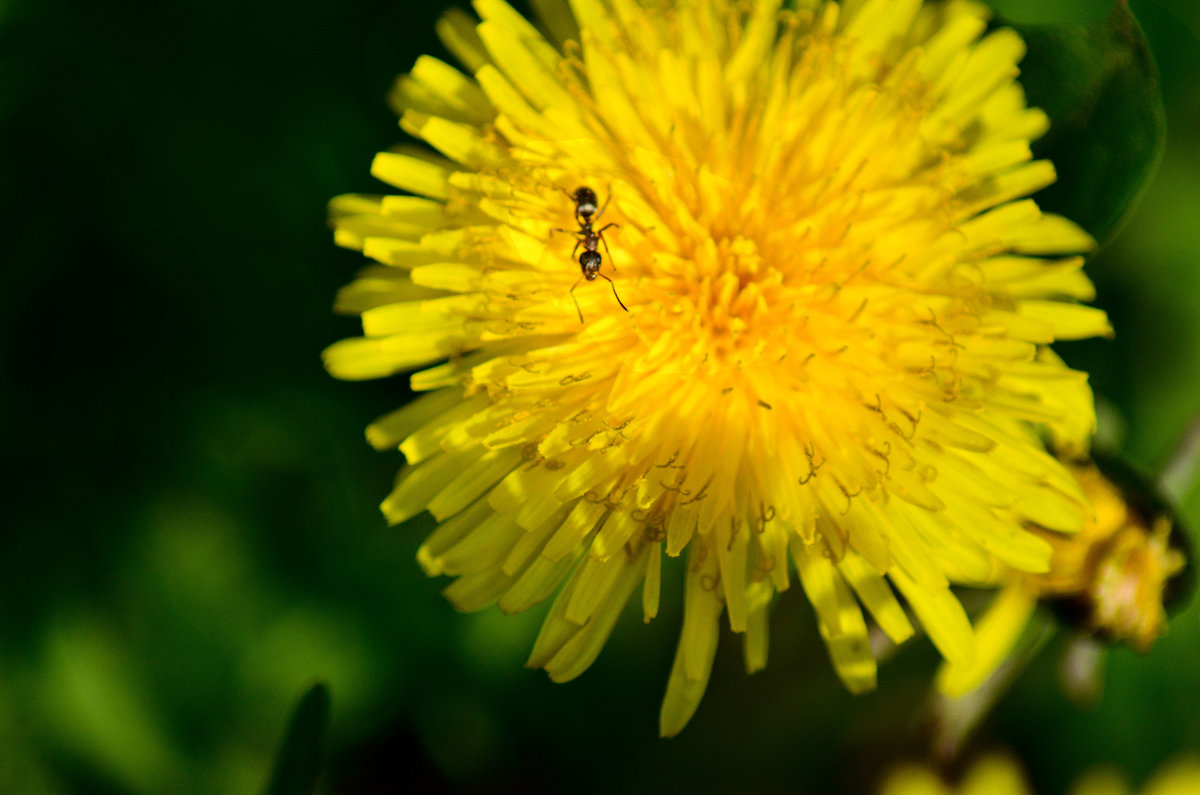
(613, 284)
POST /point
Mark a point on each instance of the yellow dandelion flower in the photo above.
(1178, 776)
(1001, 774)
(995, 774)
(834, 356)
(1112, 579)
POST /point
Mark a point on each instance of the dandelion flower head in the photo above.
(1113, 580)
(834, 363)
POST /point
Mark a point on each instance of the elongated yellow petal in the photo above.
(411, 173)
(995, 635)
(697, 648)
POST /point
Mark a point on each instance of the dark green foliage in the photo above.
(1099, 84)
(298, 765)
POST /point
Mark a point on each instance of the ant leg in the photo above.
(614, 288)
(578, 238)
(576, 300)
(600, 234)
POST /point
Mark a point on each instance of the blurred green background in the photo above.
(190, 538)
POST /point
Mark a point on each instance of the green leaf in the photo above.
(1099, 84)
(299, 761)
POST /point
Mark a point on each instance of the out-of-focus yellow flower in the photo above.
(1111, 579)
(835, 350)
(991, 775)
(1002, 775)
(1178, 777)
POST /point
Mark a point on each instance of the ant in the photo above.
(589, 261)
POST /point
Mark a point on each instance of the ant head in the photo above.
(590, 262)
(585, 199)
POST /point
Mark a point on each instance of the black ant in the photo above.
(590, 260)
